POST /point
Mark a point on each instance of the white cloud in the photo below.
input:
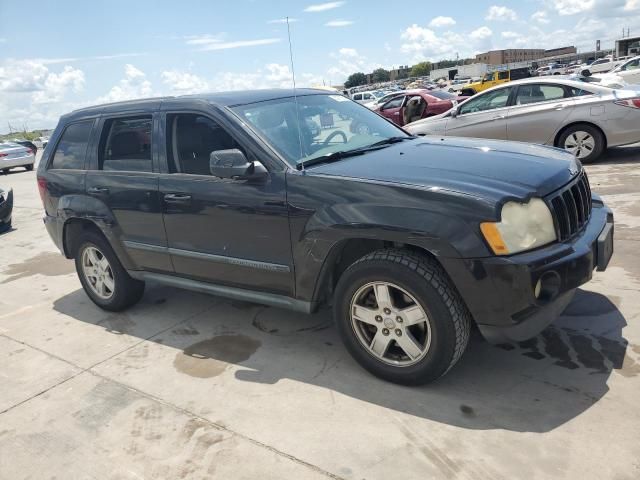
(423, 43)
(481, 33)
(510, 34)
(500, 13)
(338, 23)
(439, 22)
(348, 61)
(540, 17)
(182, 83)
(322, 7)
(210, 42)
(57, 85)
(283, 20)
(134, 84)
(632, 5)
(348, 52)
(571, 7)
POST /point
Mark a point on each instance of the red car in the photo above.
(412, 105)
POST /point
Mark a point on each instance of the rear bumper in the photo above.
(499, 291)
(6, 209)
(55, 231)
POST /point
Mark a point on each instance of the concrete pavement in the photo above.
(186, 385)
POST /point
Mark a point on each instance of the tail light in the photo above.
(4, 154)
(630, 102)
(30, 151)
(42, 187)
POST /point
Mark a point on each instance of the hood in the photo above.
(491, 169)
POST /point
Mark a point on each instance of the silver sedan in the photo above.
(13, 155)
(578, 115)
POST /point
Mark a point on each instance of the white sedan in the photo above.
(13, 155)
(627, 72)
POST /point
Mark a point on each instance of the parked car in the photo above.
(25, 143)
(366, 97)
(603, 65)
(555, 111)
(491, 79)
(410, 239)
(41, 142)
(551, 69)
(459, 83)
(382, 100)
(413, 105)
(627, 72)
(6, 207)
(13, 155)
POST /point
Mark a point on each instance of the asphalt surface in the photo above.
(186, 385)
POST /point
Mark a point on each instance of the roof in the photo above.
(224, 99)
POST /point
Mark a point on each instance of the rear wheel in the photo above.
(400, 317)
(102, 276)
(583, 141)
(29, 167)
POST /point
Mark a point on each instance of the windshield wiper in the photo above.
(330, 157)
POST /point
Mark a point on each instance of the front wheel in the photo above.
(400, 317)
(29, 167)
(102, 276)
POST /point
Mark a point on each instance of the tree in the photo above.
(355, 79)
(381, 75)
(421, 69)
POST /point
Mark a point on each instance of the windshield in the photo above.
(330, 124)
(442, 95)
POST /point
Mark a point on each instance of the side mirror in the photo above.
(454, 112)
(586, 73)
(234, 165)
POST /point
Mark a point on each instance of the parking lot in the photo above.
(186, 385)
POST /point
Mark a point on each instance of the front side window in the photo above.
(71, 150)
(632, 65)
(190, 140)
(536, 93)
(503, 75)
(395, 103)
(487, 101)
(345, 125)
(125, 145)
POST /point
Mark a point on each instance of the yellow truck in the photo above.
(491, 79)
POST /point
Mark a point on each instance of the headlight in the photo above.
(523, 226)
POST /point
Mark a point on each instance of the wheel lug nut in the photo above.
(378, 318)
(398, 332)
(399, 319)
(387, 311)
(385, 331)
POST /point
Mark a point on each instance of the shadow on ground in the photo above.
(535, 386)
(620, 155)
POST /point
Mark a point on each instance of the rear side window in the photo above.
(72, 147)
(125, 145)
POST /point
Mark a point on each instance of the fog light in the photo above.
(537, 289)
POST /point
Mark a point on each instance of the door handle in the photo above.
(499, 117)
(397, 113)
(98, 190)
(560, 106)
(177, 198)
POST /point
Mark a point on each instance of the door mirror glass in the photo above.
(233, 164)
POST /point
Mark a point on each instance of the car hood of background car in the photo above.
(491, 169)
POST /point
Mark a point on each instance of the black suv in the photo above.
(298, 199)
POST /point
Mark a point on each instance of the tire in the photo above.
(29, 167)
(415, 280)
(125, 290)
(5, 171)
(584, 132)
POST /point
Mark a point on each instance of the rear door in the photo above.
(482, 116)
(630, 72)
(538, 111)
(124, 178)
(393, 110)
(223, 231)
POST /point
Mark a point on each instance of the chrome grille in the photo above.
(571, 207)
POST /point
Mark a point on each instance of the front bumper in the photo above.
(6, 208)
(499, 291)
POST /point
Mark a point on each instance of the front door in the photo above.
(630, 72)
(223, 231)
(393, 110)
(482, 116)
(124, 181)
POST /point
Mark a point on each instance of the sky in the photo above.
(58, 56)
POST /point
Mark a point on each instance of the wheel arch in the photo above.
(556, 139)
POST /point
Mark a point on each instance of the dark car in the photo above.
(413, 105)
(6, 208)
(411, 240)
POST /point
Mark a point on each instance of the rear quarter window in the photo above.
(125, 145)
(72, 148)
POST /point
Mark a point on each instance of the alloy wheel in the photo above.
(98, 273)
(390, 324)
(580, 144)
